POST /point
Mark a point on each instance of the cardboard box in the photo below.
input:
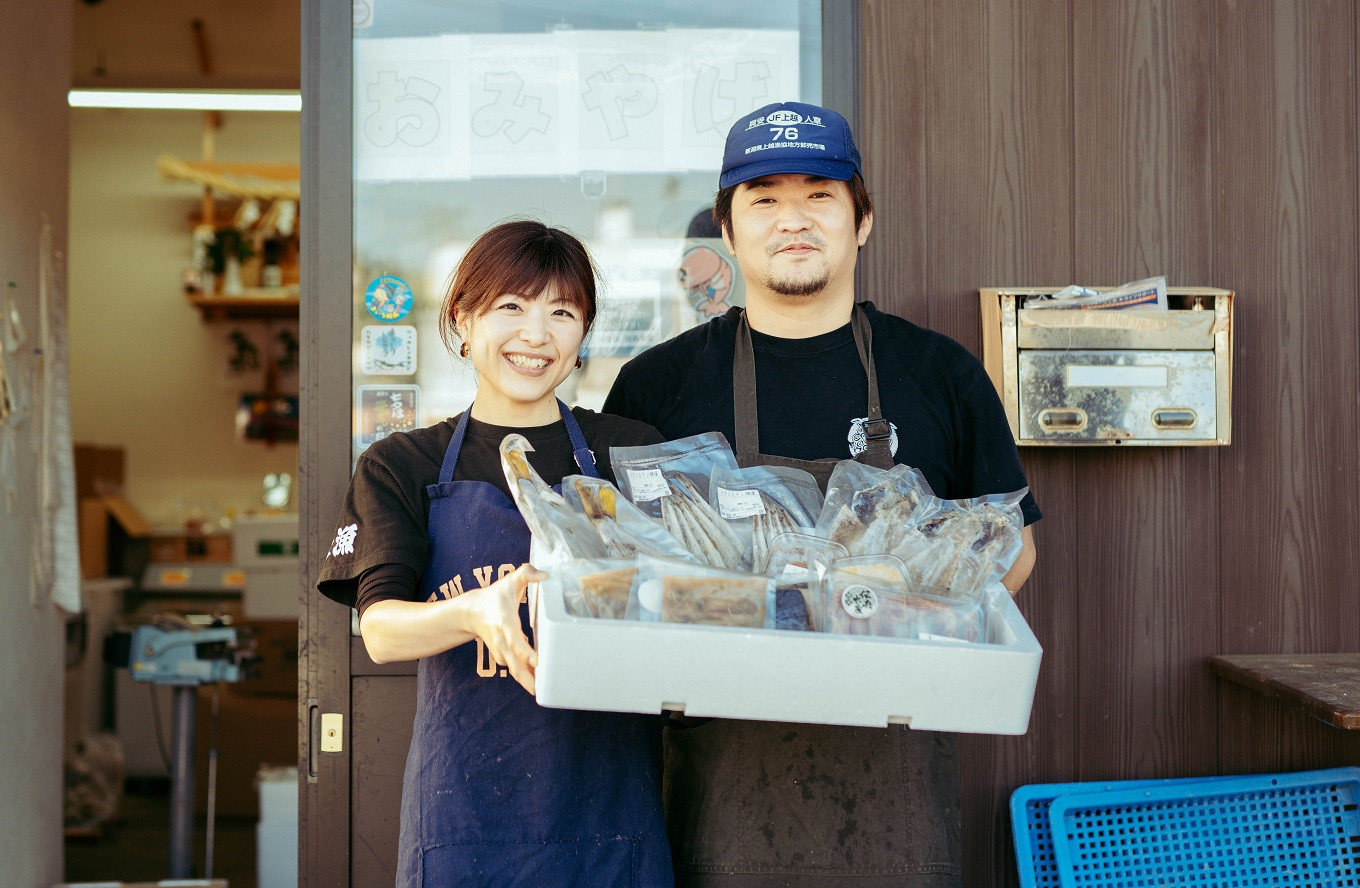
(188, 548)
(774, 675)
(99, 470)
(253, 732)
(112, 535)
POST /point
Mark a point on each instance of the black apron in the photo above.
(764, 804)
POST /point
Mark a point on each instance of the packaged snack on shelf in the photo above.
(867, 509)
(868, 596)
(625, 531)
(800, 562)
(598, 587)
(561, 532)
(762, 502)
(671, 591)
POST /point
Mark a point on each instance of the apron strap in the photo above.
(747, 425)
(585, 460)
(455, 445)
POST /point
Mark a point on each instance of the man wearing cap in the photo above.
(806, 376)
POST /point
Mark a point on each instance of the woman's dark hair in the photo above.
(524, 258)
(859, 196)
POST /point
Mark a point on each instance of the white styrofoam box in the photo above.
(278, 788)
(271, 592)
(265, 540)
(276, 854)
(780, 675)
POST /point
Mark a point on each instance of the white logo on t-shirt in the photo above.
(344, 540)
(859, 441)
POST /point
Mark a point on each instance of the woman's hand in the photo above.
(494, 618)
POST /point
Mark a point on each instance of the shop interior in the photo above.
(184, 425)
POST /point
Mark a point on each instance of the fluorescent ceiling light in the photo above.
(184, 100)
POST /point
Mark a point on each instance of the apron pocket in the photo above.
(600, 863)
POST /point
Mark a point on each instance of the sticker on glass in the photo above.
(735, 504)
(388, 298)
(860, 602)
(381, 410)
(648, 485)
(387, 351)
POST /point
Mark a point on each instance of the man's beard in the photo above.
(811, 285)
(799, 288)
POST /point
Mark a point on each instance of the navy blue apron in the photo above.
(498, 790)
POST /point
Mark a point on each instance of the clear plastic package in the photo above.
(563, 534)
(869, 596)
(672, 591)
(800, 562)
(643, 472)
(959, 546)
(762, 502)
(597, 587)
(625, 531)
(868, 509)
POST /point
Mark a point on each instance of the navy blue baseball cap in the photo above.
(789, 137)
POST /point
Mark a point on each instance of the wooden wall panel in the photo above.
(1286, 198)
(1148, 577)
(892, 139)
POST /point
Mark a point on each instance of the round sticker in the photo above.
(649, 595)
(860, 602)
(388, 298)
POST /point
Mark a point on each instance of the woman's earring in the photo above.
(463, 352)
(578, 362)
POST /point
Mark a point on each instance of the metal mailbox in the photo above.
(1113, 376)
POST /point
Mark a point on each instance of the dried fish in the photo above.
(766, 525)
(692, 521)
(564, 533)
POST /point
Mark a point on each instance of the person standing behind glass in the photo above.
(430, 547)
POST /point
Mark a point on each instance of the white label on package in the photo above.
(860, 602)
(1095, 376)
(648, 485)
(734, 504)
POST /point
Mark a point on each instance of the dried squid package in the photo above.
(625, 531)
(597, 587)
(562, 532)
(762, 502)
(799, 564)
(673, 591)
(960, 546)
(867, 509)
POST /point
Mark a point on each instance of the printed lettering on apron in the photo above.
(486, 667)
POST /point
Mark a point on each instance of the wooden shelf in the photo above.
(251, 304)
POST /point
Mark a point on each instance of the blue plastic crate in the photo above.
(1034, 856)
(1298, 830)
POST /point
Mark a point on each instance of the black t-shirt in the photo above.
(384, 517)
(949, 422)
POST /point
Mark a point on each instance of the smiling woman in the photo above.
(434, 553)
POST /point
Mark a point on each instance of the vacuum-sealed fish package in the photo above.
(597, 587)
(869, 596)
(625, 531)
(670, 481)
(561, 532)
(800, 562)
(762, 502)
(868, 509)
(672, 591)
(960, 546)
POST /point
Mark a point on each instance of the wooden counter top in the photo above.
(1326, 686)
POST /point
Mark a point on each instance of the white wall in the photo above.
(35, 48)
(146, 371)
